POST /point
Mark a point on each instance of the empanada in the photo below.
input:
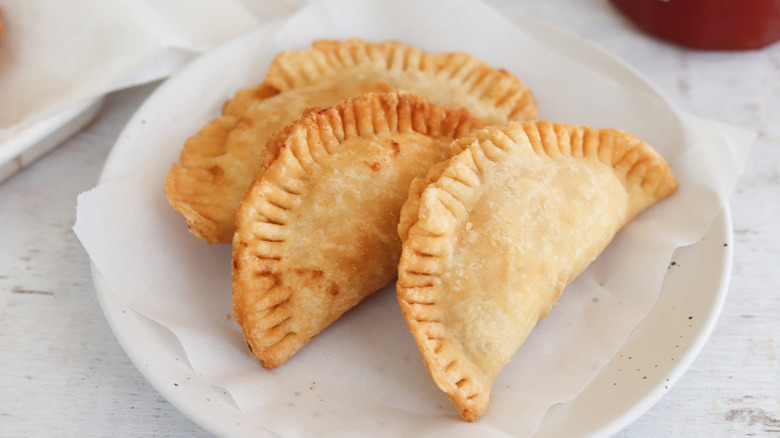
(316, 232)
(218, 164)
(501, 229)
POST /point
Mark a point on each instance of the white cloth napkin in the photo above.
(57, 59)
(54, 53)
(363, 375)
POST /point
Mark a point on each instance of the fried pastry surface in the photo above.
(316, 232)
(491, 238)
(219, 162)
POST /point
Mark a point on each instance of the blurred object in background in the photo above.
(58, 59)
(707, 24)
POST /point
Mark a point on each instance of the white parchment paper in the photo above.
(363, 375)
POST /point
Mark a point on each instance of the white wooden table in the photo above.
(62, 373)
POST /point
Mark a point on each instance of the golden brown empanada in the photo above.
(316, 232)
(218, 164)
(491, 241)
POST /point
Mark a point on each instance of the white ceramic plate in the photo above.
(657, 353)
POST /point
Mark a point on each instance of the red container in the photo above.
(707, 24)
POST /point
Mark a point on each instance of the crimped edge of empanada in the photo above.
(440, 204)
(189, 183)
(205, 219)
(260, 307)
(497, 89)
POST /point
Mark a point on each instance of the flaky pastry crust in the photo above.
(220, 161)
(491, 238)
(316, 232)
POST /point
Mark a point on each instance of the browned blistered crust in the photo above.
(316, 232)
(469, 312)
(219, 162)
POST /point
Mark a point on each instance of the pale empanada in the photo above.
(218, 164)
(316, 232)
(509, 221)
